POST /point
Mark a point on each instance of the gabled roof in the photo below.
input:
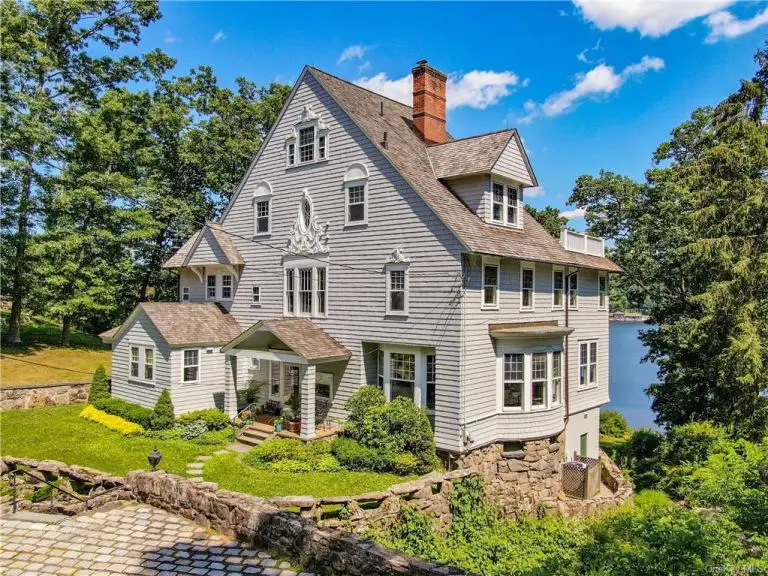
(183, 323)
(303, 336)
(409, 155)
(473, 155)
(231, 254)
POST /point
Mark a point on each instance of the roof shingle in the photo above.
(231, 253)
(475, 155)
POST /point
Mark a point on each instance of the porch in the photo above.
(294, 367)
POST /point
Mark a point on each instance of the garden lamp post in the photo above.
(154, 458)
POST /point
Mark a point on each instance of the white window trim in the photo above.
(420, 382)
(490, 261)
(231, 286)
(144, 351)
(551, 361)
(293, 265)
(407, 291)
(185, 292)
(320, 130)
(532, 268)
(142, 360)
(199, 366)
(215, 290)
(578, 285)
(587, 385)
(256, 303)
(562, 294)
(600, 276)
(262, 193)
(131, 362)
(505, 205)
(347, 185)
(527, 400)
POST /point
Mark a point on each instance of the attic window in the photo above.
(356, 195)
(506, 205)
(308, 141)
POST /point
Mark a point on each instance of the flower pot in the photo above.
(294, 427)
(278, 427)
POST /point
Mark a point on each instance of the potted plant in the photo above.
(292, 420)
(278, 422)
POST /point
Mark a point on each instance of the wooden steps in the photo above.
(256, 433)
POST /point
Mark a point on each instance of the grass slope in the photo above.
(41, 346)
(231, 474)
(58, 433)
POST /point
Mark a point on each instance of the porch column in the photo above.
(307, 387)
(230, 386)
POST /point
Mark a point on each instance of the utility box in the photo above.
(581, 477)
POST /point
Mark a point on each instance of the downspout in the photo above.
(567, 348)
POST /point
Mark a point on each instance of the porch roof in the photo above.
(542, 328)
(300, 335)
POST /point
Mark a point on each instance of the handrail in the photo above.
(13, 473)
(247, 408)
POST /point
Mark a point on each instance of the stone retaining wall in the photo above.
(37, 396)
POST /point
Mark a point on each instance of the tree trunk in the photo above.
(150, 270)
(17, 292)
(66, 325)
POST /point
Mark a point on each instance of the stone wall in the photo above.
(85, 488)
(36, 396)
(616, 489)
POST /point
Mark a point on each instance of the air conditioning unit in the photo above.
(581, 477)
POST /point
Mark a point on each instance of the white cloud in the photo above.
(475, 89)
(563, 12)
(582, 56)
(650, 18)
(354, 52)
(723, 24)
(601, 80)
(574, 214)
(364, 66)
(169, 38)
(534, 192)
(218, 37)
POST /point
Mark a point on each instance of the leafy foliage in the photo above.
(214, 418)
(353, 456)
(162, 416)
(549, 217)
(613, 423)
(288, 455)
(693, 239)
(99, 385)
(115, 423)
(126, 410)
(358, 405)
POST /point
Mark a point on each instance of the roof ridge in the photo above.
(512, 130)
(340, 79)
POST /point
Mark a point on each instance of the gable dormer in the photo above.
(488, 173)
(308, 141)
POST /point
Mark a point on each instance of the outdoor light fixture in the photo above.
(154, 458)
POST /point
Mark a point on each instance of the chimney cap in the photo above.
(421, 63)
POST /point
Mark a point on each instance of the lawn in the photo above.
(40, 359)
(231, 474)
(58, 433)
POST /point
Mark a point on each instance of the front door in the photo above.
(583, 441)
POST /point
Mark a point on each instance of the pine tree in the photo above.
(99, 385)
(163, 417)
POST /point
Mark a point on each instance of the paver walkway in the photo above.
(129, 539)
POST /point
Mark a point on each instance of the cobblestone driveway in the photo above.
(131, 539)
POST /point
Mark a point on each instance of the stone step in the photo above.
(256, 434)
(36, 517)
(249, 441)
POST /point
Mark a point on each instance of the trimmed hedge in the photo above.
(354, 456)
(214, 418)
(112, 422)
(125, 410)
(99, 385)
(162, 419)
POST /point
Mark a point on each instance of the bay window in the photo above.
(514, 378)
(538, 379)
(587, 363)
(529, 379)
(407, 371)
(402, 375)
(557, 377)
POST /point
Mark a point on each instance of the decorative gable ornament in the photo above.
(307, 235)
(309, 115)
(397, 257)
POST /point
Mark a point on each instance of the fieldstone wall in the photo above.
(86, 488)
(36, 396)
(616, 489)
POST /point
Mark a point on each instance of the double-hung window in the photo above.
(321, 291)
(262, 209)
(602, 291)
(514, 380)
(538, 379)
(134, 361)
(526, 287)
(587, 363)
(211, 287)
(291, 154)
(255, 294)
(505, 204)
(191, 365)
(402, 375)
(356, 205)
(557, 377)
(321, 147)
(226, 287)
(185, 294)
(262, 217)
(305, 291)
(149, 363)
(397, 290)
(430, 381)
(573, 290)
(290, 290)
(307, 144)
(558, 287)
(490, 285)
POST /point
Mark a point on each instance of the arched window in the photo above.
(356, 195)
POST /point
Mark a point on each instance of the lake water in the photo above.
(629, 376)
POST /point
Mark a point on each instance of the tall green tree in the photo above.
(694, 238)
(550, 218)
(48, 71)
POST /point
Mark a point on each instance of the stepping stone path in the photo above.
(128, 539)
(195, 468)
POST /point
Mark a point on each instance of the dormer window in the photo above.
(310, 135)
(506, 205)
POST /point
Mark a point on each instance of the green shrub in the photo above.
(125, 410)
(288, 455)
(641, 457)
(359, 405)
(353, 456)
(691, 443)
(99, 385)
(613, 423)
(214, 418)
(162, 417)
(276, 449)
(193, 429)
(405, 464)
(216, 437)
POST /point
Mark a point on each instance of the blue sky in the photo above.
(590, 85)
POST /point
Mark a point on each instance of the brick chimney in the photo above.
(429, 103)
